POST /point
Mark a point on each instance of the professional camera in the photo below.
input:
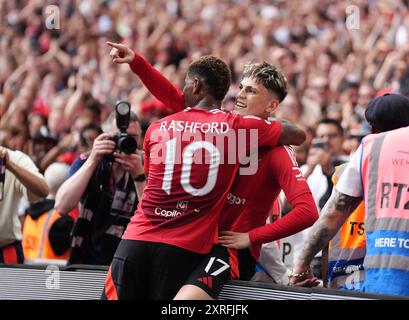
(125, 142)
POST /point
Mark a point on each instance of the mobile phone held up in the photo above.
(318, 143)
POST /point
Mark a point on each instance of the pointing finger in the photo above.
(114, 45)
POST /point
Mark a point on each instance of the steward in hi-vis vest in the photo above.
(46, 234)
(378, 174)
(347, 249)
(385, 180)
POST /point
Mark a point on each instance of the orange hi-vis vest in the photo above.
(385, 179)
(35, 237)
(348, 248)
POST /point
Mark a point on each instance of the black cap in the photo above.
(388, 112)
(44, 134)
(60, 234)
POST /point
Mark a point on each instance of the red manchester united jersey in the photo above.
(191, 158)
(251, 199)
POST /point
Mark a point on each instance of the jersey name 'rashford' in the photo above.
(193, 127)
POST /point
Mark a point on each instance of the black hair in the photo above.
(215, 74)
(333, 122)
(94, 106)
(91, 126)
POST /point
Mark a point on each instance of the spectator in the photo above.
(41, 143)
(51, 72)
(22, 179)
(46, 234)
(323, 156)
(88, 135)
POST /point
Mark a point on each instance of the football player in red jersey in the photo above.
(177, 217)
(263, 87)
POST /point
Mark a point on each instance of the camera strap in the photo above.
(122, 191)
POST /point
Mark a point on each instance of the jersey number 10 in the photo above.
(187, 161)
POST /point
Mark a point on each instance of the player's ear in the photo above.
(197, 85)
(272, 106)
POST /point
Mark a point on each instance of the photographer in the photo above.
(108, 183)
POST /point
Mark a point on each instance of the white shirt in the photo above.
(10, 226)
(317, 181)
(350, 181)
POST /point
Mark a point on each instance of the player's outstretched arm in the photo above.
(120, 53)
(154, 81)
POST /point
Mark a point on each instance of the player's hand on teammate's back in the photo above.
(235, 240)
(120, 53)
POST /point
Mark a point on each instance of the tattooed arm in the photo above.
(334, 214)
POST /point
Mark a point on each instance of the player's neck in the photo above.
(208, 103)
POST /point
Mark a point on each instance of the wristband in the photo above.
(140, 177)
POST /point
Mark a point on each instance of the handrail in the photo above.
(87, 281)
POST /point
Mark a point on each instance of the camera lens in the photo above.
(123, 108)
(127, 144)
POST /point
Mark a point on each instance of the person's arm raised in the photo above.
(71, 191)
(35, 185)
(153, 80)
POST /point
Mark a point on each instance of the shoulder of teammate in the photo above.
(269, 132)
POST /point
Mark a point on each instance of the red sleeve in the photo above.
(304, 211)
(268, 132)
(146, 150)
(157, 84)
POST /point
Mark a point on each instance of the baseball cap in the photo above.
(388, 112)
(383, 91)
(59, 234)
(44, 134)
